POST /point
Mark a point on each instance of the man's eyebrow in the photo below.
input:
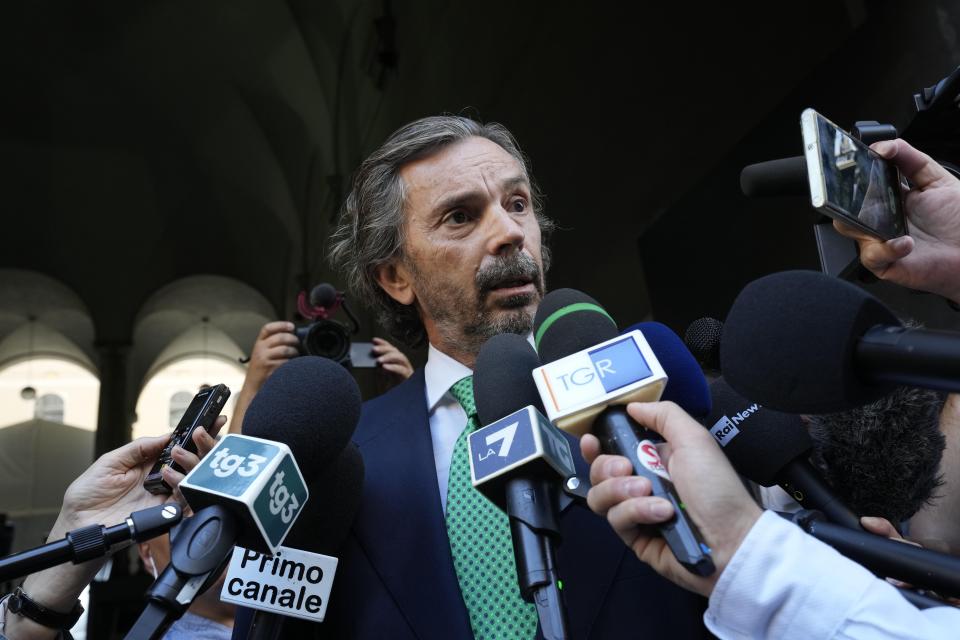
(514, 182)
(456, 200)
(461, 199)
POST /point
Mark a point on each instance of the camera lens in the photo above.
(327, 339)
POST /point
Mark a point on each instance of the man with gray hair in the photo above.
(414, 240)
(442, 233)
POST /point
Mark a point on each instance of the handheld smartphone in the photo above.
(849, 182)
(202, 412)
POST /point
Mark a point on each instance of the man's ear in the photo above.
(395, 279)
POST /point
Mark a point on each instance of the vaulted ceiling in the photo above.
(145, 143)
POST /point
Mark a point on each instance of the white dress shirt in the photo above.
(776, 499)
(783, 583)
(447, 417)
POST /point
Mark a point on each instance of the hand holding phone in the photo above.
(849, 182)
(929, 258)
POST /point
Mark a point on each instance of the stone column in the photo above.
(114, 420)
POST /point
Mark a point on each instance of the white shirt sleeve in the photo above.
(783, 583)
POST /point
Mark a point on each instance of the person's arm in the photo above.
(275, 345)
(772, 579)
(783, 583)
(937, 525)
(928, 259)
(106, 493)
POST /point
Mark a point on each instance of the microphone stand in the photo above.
(94, 541)
(197, 557)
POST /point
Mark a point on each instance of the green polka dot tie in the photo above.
(482, 550)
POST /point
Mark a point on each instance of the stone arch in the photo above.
(46, 345)
(203, 314)
(41, 315)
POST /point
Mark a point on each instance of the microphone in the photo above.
(93, 541)
(783, 177)
(248, 491)
(803, 342)
(257, 482)
(322, 302)
(325, 526)
(772, 448)
(298, 599)
(686, 384)
(920, 567)
(592, 373)
(516, 461)
(703, 339)
(311, 404)
(323, 295)
(883, 459)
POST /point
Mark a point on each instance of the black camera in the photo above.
(325, 337)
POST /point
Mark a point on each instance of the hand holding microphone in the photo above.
(250, 490)
(107, 492)
(590, 374)
(719, 505)
(713, 495)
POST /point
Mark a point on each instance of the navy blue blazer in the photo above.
(396, 581)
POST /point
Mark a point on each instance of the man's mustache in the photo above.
(520, 266)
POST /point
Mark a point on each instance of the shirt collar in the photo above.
(442, 372)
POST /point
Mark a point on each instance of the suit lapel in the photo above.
(401, 526)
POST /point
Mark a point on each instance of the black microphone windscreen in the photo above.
(323, 295)
(568, 321)
(783, 177)
(789, 342)
(328, 515)
(312, 405)
(883, 458)
(686, 384)
(759, 442)
(502, 380)
(703, 339)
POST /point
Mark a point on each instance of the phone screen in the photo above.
(858, 184)
(361, 355)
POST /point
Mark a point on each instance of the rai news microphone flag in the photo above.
(481, 545)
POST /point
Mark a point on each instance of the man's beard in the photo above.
(463, 320)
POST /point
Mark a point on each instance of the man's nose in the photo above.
(505, 232)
